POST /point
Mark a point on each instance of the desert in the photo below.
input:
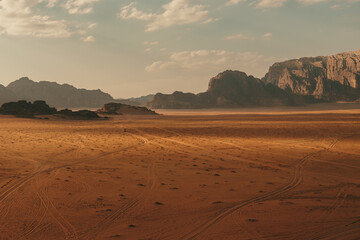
(194, 175)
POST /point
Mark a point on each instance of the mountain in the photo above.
(331, 78)
(61, 96)
(136, 101)
(230, 89)
(6, 95)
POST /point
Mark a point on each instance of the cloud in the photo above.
(88, 39)
(268, 35)
(79, 6)
(151, 43)
(212, 61)
(17, 19)
(92, 25)
(310, 2)
(270, 3)
(176, 12)
(234, 2)
(239, 37)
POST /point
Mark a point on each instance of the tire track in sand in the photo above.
(296, 180)
(101, 227)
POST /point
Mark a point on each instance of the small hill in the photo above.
(123, 109)
(24, 108)
(61, 96)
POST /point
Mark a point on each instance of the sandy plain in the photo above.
(195, 176)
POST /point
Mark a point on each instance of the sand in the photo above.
(277, 175)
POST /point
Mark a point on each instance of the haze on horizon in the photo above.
(132, 48)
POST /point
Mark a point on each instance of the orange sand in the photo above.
(248, 176)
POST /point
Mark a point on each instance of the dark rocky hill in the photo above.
(123, 109)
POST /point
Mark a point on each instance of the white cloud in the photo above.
(17, 19)
(270, 3)
(234, 2)
(177, 12)
(268, 35)
(212, 61)
(92, 25)
(310, 2)
(79, 6)
(151, 43)
(239, 37)
(88, 39)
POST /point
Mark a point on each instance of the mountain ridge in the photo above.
(57, 95)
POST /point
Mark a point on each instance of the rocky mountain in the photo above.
(331, 78)
(6, 95)
(136, 101)
(230, 89)
(61, 96)
(123, 109)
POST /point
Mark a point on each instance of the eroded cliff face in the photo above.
(323, 77)
(230, 89)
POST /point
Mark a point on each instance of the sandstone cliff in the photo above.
(331, 78)
(229, 89)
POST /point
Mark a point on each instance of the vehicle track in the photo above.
(296, 180)
(15, 185)
(104, 224)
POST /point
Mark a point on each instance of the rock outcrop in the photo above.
(331, 78)
(123, 109)
(230, 89)
(78, 115)
(24, 108)
(61, 96)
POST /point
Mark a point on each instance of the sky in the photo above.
(133, 48)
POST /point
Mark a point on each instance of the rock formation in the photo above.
(24, 108)
(331, 78)
(229, 89)
(80, 115)
(122, 109)
(61, 96)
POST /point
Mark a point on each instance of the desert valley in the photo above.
(275, 175)
(179, 120)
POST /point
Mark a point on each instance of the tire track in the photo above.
(108, 221)
(296, 180)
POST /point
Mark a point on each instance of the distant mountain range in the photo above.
(294, 82)
(56, 95)
(136, 101)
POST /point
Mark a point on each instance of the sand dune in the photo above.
(176, 176)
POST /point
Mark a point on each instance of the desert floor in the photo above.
(234, 176)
